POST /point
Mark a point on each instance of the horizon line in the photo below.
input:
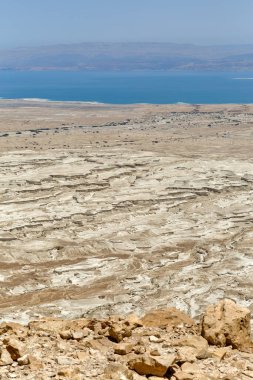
(126, 42)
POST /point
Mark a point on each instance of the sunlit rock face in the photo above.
(164, 344)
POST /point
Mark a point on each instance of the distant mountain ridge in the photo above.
(129, 56)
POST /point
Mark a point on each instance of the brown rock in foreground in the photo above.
(88, 349)
(166, 318)
(227, 324)
(15, 348)
(148, 365)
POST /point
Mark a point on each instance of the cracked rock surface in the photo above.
(154, 209)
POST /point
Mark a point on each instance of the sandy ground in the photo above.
(113, 209)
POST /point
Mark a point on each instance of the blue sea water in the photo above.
(129, 87)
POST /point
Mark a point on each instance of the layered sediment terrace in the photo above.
(116, 209)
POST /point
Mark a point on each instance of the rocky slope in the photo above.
(164, 344)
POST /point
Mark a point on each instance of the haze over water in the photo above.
(129, 87)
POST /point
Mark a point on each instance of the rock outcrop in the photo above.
(168, 318)
(227, 324)
(127, 348)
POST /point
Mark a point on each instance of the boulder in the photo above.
(227, 324)
(122, 328)
(186, 354)
(50, 325)
(119, 331)
(148, 365)
(66, 334)
(35, 363)
(168, 318)
(217, 353)
(54, 325)
(123, 348)
(77, 335)
(23, 360)
(5, 358)
(197, 343)
(15, 348)
(133, 321)
(13, 328)
(118, 371)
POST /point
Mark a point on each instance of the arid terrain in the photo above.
(118, 209)
(125, 209)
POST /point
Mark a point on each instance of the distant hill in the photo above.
(129, 56)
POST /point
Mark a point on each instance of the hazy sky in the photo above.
(42, 22)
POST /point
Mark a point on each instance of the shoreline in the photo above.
(167, 107)
(93, 102)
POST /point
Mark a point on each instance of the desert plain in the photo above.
(114, 209)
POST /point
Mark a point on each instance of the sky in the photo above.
(47, 22)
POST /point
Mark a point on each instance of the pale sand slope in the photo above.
(153, 209)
